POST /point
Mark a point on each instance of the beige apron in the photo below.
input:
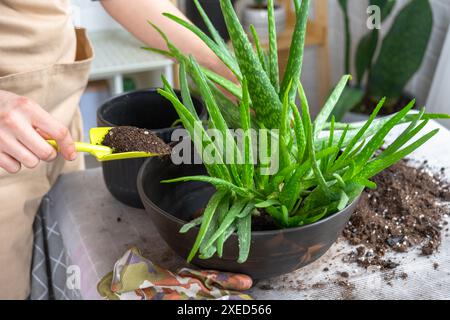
(44, 58)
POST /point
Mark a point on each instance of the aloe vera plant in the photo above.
(324, 166)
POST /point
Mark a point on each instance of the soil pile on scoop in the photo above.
(130, 139)
(405, 211)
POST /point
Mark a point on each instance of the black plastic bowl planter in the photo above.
(272, 253)
(144, 109)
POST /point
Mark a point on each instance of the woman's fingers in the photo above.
(28, 136)
(8, 163)
(21, 123)
(18, 151)
(43, 134)
(46, 123)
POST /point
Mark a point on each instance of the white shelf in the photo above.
(118, 52)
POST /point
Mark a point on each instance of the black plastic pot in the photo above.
(212, 9)
(144, 109)
(272, 253)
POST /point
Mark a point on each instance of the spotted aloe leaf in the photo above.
(264, 97)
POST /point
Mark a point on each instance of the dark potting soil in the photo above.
(368, 105)
(263, 222)
(129, 139)
(405, 211)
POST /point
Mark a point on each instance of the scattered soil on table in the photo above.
(344, 274)
(348, 288)
(129, 139)
(405, 211)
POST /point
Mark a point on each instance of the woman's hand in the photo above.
(24, 127)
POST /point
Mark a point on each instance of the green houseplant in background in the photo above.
(323, 166)
(383, 67)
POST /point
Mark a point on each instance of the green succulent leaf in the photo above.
(273, 46)
(206, 221)
(295, 60)
(264, 97)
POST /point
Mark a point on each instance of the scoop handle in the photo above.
(84, 147)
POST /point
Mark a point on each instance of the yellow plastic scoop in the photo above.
(101, 152)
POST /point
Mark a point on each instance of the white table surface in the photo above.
(87, 215)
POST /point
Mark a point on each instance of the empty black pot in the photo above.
(144, 109)
(272, 253)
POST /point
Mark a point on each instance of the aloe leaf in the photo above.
(167, 86)
(188, 226)
(212, 30)
(406, 135)
(400, 141)
(228, 85)
(297, 6)
(308, 218)
(299, 133)
(207, 218)
(286, 174)
(230, 111)
(295, 60)
(366, 183)
(185, 94)
(316, 218)
(248, 209)
(244, 232)
(350, 98)
(230, 217)
(159, 51)
(376, 166)
(264, 97)
(273, 46)
(284, 135)
(291, 191)
(231, 150)
(310, 140)
(340, 145)
(222, 211)
(247, 138)
(223, 238)
(285, 215)
(180, 56)
(267, 203)
(259, 49)
(218, 183)
(378, 123)
(377, 140)
(207, 254)
(217, 49)
(324, 164)
(327, 109)
(339, 180)
(361, 132)
(343, 201)
(200, 141)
